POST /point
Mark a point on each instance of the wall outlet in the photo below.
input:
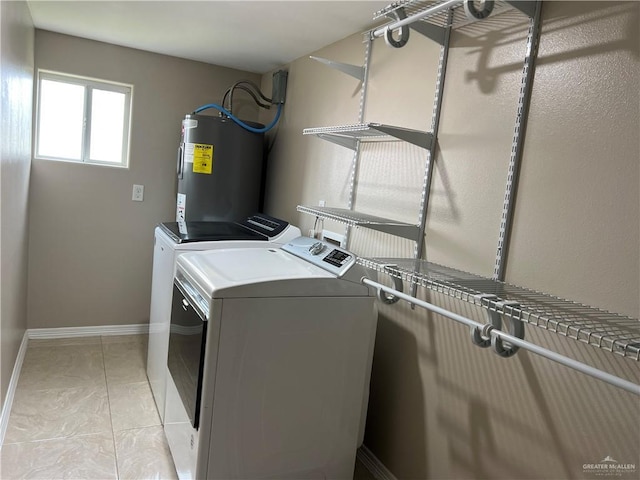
(138, 193)
(322, 203)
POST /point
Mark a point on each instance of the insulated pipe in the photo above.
(414, 18)
(543, 352)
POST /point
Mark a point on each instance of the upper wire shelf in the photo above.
(349, 135)
(357, 219)
(605, 330)
(439, 17)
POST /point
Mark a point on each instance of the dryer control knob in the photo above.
(316, 248)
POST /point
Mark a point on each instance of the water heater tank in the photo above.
(220, 168)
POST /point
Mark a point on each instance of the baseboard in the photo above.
(69, 332)
(11, 391)
(375, 466)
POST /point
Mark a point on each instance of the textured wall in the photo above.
(15, 163)
(91, 247)
(440, 407)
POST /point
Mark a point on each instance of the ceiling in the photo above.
(255, 36)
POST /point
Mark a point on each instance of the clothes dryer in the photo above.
(175, 238)
(270, 358)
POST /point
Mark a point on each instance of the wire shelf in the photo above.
(356, 219)
(605, 330)
(459, 18)
(371, 132)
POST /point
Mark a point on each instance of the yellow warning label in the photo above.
(202, 158)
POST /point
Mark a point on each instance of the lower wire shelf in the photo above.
(605, 330)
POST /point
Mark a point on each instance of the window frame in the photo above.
(85, 148)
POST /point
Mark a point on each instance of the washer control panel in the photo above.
(322, 254)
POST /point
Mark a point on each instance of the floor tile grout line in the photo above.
(57, 439)
(113, 434)
(142, 427)
(25, 390)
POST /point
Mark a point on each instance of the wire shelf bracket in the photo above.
(528, 7)
(429, 30)
(346, 142)
(351, 70)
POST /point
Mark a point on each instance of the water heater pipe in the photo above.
(226, 112)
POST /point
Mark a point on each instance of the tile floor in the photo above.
(83, 409)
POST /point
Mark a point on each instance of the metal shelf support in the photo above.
(528, 7)
(431, 154)
(355, 162)
(421, 139)
(517, 146)
(347, 142)
(352, 70)
(434, 32)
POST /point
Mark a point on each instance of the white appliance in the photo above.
(269, 363)
(173, 239)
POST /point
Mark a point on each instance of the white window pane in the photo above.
(107, 126)
(61, 120)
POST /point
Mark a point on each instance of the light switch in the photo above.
(138, 193)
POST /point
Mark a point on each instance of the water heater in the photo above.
(220, 168)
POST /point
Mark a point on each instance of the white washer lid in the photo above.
(214, 272)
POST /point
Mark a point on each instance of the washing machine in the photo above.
(171, 240)
(270, 358)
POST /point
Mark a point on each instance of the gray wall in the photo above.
(440, 407)
(15, 162)
(90, 246)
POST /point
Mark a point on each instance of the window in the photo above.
(83, 120)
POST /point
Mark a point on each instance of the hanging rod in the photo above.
(414, 18)
(543, 352)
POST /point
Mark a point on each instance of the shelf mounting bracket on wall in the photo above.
(398, 285)
(415, 137)
(481, 336)
(350, 143)
(528, 7)
(431, 31)
(352, 70)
